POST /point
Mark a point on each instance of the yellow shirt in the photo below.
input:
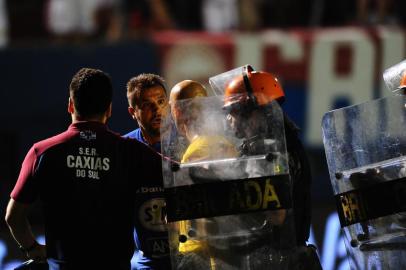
(203, 148)
(209, 147)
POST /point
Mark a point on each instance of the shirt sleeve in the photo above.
(25, 190)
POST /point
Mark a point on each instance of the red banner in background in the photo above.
(286, 53)
(328, 64)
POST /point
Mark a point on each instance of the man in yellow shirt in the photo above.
(188, 119)
(187, 113)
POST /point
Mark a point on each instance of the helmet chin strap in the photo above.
(251, 97)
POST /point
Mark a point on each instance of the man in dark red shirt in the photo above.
(85, 178)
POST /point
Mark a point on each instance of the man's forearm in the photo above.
(18, 224)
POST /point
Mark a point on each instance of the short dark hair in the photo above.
(138, 84)
(91, 91)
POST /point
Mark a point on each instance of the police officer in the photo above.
(247, 101)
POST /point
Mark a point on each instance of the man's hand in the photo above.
(37, 253)
(16, 218)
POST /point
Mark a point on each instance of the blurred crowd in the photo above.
(23, 21)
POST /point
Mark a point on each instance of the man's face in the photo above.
(238, 122)
(151, 109)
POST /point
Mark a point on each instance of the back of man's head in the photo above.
(91, 92)
(185, 90)
(184, 110)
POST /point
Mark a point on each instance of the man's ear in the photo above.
(109, 110)
(134, 113)
(71, 108)
(131, 111)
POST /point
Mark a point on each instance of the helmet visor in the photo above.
(220, 82)
(393, 76)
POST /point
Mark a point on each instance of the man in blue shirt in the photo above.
(148, 104)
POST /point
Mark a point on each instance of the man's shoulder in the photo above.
(43, 145)
(135, 134)
(138, 145)
(68, 135)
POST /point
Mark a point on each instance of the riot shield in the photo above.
(365, 148)
(393, 76)
(219, 82)
(225, 210)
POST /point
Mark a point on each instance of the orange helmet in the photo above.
(403, 81)
(257, 87)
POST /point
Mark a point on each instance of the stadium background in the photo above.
(321, 69)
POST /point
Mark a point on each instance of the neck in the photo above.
(99, 119)
(150, 139)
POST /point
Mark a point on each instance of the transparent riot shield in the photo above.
(393, 76)
(365, 148)
(225, 209)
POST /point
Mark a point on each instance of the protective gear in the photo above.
(214, 188)
(395, 76)
(403, 80)
(257, 88)
(366, 171)
(252, 102)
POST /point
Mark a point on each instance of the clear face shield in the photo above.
(220, 82)
(393, 77)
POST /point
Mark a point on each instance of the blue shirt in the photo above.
(151, 236)
(136, 134)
